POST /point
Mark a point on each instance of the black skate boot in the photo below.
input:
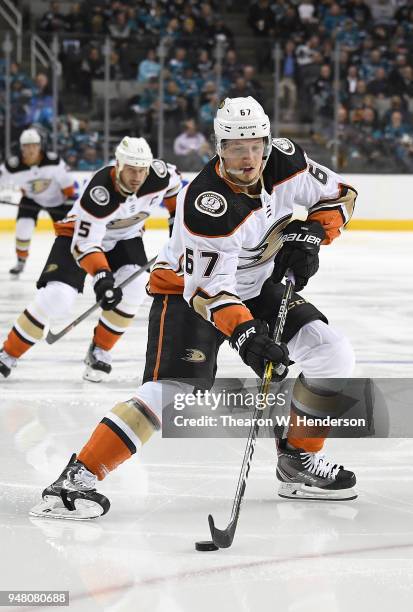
(97, 364)
(6, 363)
(73, 495)
(16, 270)
(312, 476)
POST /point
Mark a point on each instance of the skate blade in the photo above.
(303, 492)
(95, 376)
(52, 507)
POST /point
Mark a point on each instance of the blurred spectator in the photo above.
(232, 68)
(262, 21)
(359, 11)
(379, 86)
(253, 84)
(191, 146)
(323, 96)
(288, 87)
(207, 113)
(89, 159)
(53, 20)
(120, 28)
(148, 67)
(91, 68)
(76, 20)
(178, 62)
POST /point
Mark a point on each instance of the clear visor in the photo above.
(246, 151)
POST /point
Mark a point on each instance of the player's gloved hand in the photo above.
(302, 241)
(255, 348)
(106, 293)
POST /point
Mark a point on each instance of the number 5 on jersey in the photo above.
(211, 256)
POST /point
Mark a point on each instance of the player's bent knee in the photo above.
(323, 351)
(55, 300)
(156, 395)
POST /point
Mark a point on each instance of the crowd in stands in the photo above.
(375, 108)
(375, 113)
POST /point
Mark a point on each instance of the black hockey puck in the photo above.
(206, 545)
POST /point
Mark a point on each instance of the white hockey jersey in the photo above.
(224, 241)
(102, 215)
(43, 183)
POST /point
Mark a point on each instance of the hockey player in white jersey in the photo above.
(101, 236)
(219, 278)
(44, 183)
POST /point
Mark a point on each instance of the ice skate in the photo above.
(6, 363)
(98, 364)
(18, 268)
(72, 496)
(311, 476)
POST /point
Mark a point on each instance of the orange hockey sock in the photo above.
(310, 439)
(104, 451)
(112, 325)
(24, 334)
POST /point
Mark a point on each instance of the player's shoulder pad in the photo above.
(14, 164)
(50, 158)
(158, 178)
(286, 160)
(100, 198)
(211, 208)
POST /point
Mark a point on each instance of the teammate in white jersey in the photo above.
(45, 184)
(101, 236)
(218, 278)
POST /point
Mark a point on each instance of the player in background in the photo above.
(219, 277)
(45, 184)
(101, 236)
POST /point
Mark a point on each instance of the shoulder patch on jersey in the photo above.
(284, 145)
(159, 167)
(100, 195)
(13, 162)
(211, 208)
(100, 198)
(211, 203)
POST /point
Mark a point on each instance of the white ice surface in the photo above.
(292, 556)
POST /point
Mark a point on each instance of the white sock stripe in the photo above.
(125, 428)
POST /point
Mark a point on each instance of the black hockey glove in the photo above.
(255, 347)
(106, 293)
(302, 240)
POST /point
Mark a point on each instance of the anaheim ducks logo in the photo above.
(51, 268)
(39, 185)
(267, 248)
(194, 355)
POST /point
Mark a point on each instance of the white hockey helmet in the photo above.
(242, 118)
(133, 152)
(30, 136)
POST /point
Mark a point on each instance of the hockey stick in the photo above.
(51, 338)
(223, 538)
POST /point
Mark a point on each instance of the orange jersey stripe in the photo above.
(227, 318)
(64, 229)
(160, 341)
(170, 204)
(69, 192)
(165, 281)
(331, 220)
(93, 262)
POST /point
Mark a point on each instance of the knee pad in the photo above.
(156, 395)
(54, 301)
(134, 293)
(322, 351)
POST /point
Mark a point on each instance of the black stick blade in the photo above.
(222, 539)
